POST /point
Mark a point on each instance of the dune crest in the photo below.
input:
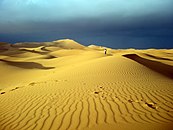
(68, 44)
(63, 85)
(154, 65)
(64, 43)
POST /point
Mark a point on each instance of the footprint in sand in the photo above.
(56, 81)
(100, 87)
(2, 92)
(152, 105)
(32, 84)
(14, 88)
(133, 101)
(96, 92)
(130, 101)
(100, 94)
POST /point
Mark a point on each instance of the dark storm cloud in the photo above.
(118, 24)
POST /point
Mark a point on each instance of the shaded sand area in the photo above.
(63, 85)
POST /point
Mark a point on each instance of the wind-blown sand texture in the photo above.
(63, 85)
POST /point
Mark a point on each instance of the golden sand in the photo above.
(63, 85)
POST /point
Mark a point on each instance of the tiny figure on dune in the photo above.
(105, 50)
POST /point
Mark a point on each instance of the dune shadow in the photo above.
(159, 67)
(11, 52)
(34, 51)
(50, 57)
(44, 49)
(159, 58)
(3, 49)
(109, 55)
(26, 65)
(168, 53)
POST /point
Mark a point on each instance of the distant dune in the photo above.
(4, 46)
(64, 85)
(65, 43)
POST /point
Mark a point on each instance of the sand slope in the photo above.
(54, 88)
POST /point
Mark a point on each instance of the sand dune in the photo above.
(68, 44)
(80, 88)
(65, 43)
(159, 58)
(164, 69)
(4, 46)
(26, 65)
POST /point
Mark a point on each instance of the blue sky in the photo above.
(113, 23)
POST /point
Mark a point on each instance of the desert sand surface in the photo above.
(63, 85)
